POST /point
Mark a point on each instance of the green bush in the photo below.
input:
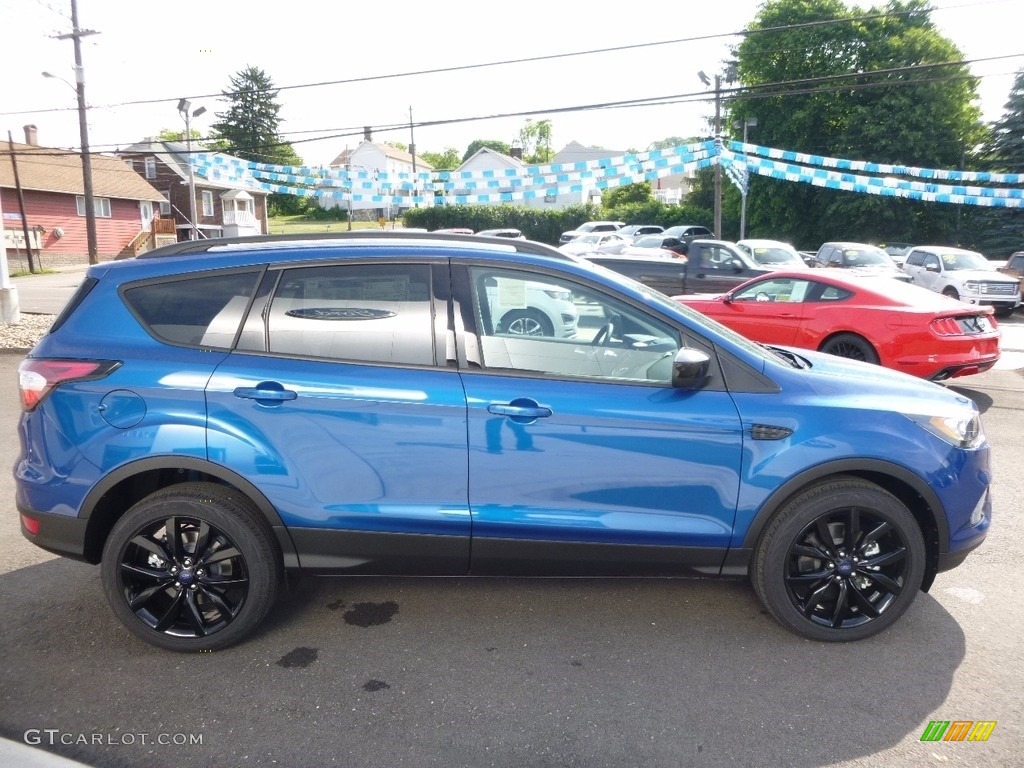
(546, 225)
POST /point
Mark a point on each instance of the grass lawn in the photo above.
(295, 225)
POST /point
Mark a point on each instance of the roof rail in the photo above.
(207, 244)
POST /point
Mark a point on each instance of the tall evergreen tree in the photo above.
(251, 125)
(250, 129)
(1000, 231)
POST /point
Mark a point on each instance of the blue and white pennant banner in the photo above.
(531, 182)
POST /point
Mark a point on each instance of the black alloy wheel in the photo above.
(842, 561)
(191, 568)
(851, 346)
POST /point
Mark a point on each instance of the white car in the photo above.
(596, 242)
(964, 275)
(532, 309)
(772, 253)
(588, 227)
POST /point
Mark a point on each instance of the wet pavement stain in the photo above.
(371, 614)
(375, 685)
(337, 605)
(576, 663)
(300, 657)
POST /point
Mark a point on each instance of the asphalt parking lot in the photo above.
(507, 672)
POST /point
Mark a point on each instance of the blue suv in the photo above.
(209, 416)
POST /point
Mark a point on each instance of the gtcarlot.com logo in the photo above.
(54, 736)
(958, 730)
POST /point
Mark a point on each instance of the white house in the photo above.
(377, 160)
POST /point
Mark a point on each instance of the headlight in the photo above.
(963, 431)
(972, 286)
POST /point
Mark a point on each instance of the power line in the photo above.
(504, 62)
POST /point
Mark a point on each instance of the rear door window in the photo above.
(376, 313)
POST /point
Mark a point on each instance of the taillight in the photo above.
(946, 326)
(37, 376)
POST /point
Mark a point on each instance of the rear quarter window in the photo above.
(194, 311)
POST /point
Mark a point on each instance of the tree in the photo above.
(442, 161)
(251, 125)
(171, 134)
(477, 144)
(812, 90)
(535, 139)
(1000, 231)
(630, 193)
(250, 129)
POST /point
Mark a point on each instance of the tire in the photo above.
(856, 583)
(852, 346)
(1004, 312)
(952, 293)
(526, 322)
(161, 591)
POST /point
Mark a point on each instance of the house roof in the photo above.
(390, 152)
(49, 169)
(174, 154)
(501, 157)
(574, 152)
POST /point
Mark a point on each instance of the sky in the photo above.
(190, 49)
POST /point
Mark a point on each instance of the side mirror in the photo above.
(932, 268)
(690, 369)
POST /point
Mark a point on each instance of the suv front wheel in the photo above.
(192, 567)
(841, 561)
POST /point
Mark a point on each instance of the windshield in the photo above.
(865, 257)
(775, 255)
(964, 260)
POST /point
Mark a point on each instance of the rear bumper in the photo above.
(59, 534)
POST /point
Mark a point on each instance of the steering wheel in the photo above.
(604, 333)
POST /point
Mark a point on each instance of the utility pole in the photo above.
(412, 151)
(718, 165)
(76, 35)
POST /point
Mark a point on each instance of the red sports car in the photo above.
(876, 319)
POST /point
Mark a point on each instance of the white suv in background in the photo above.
(964, 275)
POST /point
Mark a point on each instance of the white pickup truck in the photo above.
(963, 275)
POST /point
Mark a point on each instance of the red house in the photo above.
(54, 197)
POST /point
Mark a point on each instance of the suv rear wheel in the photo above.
(841, 561)
(192, 567)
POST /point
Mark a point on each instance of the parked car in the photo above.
(656, 245)
(963, 275)
(455, 230)
(897, 251)
(1015, 267)
(207, 416)
(588, 227)
(772, 253)
(688, 232)
(638, 230)
(710, 266)
(596, 242)
(507, 232)
(860, 259)
(874, 319)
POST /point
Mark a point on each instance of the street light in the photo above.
(718, 138)
(83, 129)
(750, 122)
(184, 105)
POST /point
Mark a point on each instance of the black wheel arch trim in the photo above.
(859, 467)
(193, 464)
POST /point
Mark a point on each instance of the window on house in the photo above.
(150, 167)
(165, 205)
(101, 206)
(207, 203)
